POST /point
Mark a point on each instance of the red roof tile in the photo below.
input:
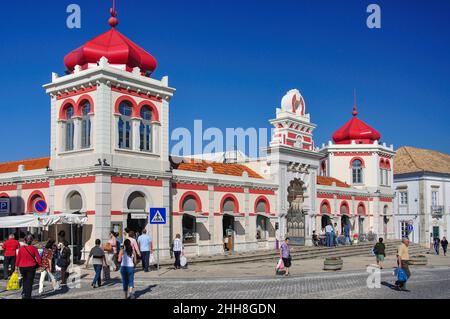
(328, 181)
(218, 168)
(30, 164)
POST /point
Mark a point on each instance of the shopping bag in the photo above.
(106, 273)
(183, 261)
(280, 264)
(13, 282)
(401, 275)
(152, 259)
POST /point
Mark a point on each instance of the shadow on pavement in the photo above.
(142, 292)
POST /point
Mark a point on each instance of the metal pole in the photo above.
(157, 236)
(71, 242)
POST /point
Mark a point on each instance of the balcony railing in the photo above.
(437, 211)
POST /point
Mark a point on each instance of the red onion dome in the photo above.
(356, 130)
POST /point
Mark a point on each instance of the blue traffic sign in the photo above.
(40, 206)
(157, 216)
(4, 205)
(410, 228)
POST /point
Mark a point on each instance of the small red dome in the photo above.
(356, 130)
(117, 48)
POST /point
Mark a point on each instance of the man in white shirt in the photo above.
(329, 234)
(145, 246)
(177, 250)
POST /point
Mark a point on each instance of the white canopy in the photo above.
(24, 221)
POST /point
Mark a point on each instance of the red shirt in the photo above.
(9, 247)
(25, 259)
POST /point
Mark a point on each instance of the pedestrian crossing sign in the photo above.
(157, 216)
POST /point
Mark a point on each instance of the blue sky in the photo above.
(232, 61)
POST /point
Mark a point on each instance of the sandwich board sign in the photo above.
(157, 216)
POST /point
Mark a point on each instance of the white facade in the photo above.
(423, 201)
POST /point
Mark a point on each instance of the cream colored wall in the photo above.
(87, 191)
(120, 191)
(340, 169)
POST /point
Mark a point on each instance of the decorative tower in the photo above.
(294, 163)
(110, 134)
(357, 158)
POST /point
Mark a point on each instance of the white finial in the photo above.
(77, 69)
(103, 61)
(137, 71)
(54, 76)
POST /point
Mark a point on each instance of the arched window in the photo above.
(261, 206)
(229, 205)
(85, 125)
(190, 204)
(357, 171)
(136, 202)
(361, 210)
(325, 208)
(75, 202)
(70, 127)
(344, 209)
(125, 110)
(146, 129)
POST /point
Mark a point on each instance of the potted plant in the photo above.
(355, 238)
(333, 263)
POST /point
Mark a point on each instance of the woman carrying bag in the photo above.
(28, 261)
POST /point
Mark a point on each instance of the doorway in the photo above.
(326, 220)
(228, 231)
(345, 220)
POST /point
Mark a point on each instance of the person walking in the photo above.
(64, 261)
(111, 251)
(177, 250)
(329, 234)
(128, 260)
(380, 252)
(28, 261)
(47, 267)
(134, 244)
(285, 255)
(10, 247)
(336, 235)
(98, 260)
(437, 243)
(315, 238)
(145, 246)
(403, 262)
(347, 234)
(444, 244)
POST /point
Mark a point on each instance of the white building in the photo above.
(422, 187)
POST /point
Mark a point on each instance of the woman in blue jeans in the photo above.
(127, 259)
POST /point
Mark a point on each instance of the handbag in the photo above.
(108, 248)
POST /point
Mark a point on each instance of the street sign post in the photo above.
(158, 216)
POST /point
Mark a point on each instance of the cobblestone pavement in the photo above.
(428, 282)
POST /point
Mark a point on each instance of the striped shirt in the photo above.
(177, 245)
